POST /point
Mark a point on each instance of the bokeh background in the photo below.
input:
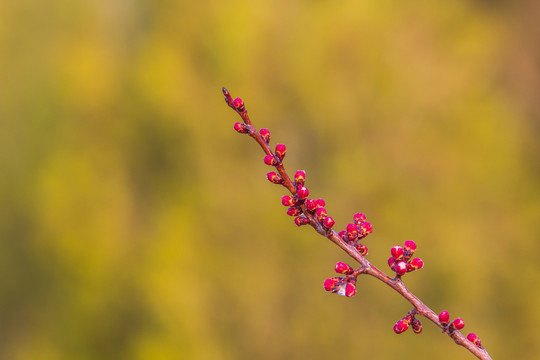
(136, 224)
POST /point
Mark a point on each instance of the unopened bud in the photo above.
(302, 193)
(328, 222)
(280, 151)
(415, 264)
(265, 134)
(397, 252)
(301, 220)
(342, 268)
(359, 218)
(444, 317)
(270, 160)
(241, 128)
(274, 178)
(401, 267)
(321, 213)
(300, 178)
(238, 104)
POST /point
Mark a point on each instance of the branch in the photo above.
(312, 212)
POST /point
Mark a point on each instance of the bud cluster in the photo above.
(356, 231)
(401, 262)
(344, 286)
(408, 321)
(444, 319)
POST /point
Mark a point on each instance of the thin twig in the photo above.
(367, 267)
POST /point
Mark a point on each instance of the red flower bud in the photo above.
(458, 324)
(293, 211)
(288, 200)
(274, 178)
(365, 229)
(330, 284)
(362, 249)
(341, 235)
(401, 267)
(301, 220)
(350, 290)
(472, 337)
(415, 264)
(409, 248)
(300, 178)
(352, 232)
(320, 203)
(397, 252)
(265, 134)
(359, 218)
(328, 222)
(416, 326)
(241, 128)
(238, 104)
(321, 213)
(270, 160)
(302, 193)
(444, 317)
(342, 268)
(409, 245)
(402, 325)
(280, 151)
(311, 204)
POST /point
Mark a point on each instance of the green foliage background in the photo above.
(136, 224)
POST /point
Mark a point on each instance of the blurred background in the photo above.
(135, 223)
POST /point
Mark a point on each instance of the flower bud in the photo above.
(320, 203)
(241, 128)
(365, 229)
(300, 178)
(416, 326)
(352, 232)
(342, 268)
(288, 200)
(472, 337)
(328, 222)
(457, 324)
(321, 213)
(270, 160)
(274, 178)
(350, 290)
(238, 104)
(302, 193)
(301, 220)
(402, 325)
(444, 317)
(401, 267)
(409, 248)
(397, 252)
(265, 134)
(280, 151)
(293, 211)
(362, 249)
(359, 218)
(330, 284)
(415, 264)
(311, 204)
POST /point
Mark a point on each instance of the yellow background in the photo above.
(136, 224)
